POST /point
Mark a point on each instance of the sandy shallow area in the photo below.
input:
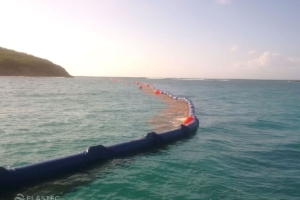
(171, 116)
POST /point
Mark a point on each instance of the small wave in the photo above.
(154, 78)
(191, 79)
(223, 80)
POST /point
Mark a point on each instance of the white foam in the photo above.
(191, 79)
(223, 80)
(153, 78)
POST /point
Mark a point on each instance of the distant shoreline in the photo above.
(202, 79)
(192, 79)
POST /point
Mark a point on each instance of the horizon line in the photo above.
(189, 78)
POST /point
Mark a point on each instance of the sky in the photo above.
(223, 39)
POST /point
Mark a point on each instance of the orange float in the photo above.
(156, 92)
(140, 87)
(187, 120)
(147, 85)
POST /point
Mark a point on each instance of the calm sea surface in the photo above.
(247, 145)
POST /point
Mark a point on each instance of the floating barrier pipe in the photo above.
(11, 178)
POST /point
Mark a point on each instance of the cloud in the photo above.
(222, 2)
(267, 65)
(251, 52)
(268, 60)
(234, 48)
(294, 60)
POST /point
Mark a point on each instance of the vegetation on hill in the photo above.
(14, 63)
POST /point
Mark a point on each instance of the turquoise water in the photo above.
(247, 146)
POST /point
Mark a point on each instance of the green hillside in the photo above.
(13, 63)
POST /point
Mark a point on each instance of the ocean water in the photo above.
(247, 145)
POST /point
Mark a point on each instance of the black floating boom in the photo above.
(11, 178)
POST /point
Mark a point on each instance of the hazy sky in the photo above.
(159, 38)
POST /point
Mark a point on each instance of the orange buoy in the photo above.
(187, 120)
(140, 87)
(156, 92)
(147, 85)
(137, 83)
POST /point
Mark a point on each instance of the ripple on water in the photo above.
(247, 146)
